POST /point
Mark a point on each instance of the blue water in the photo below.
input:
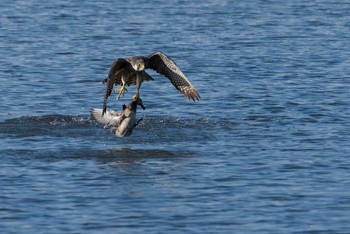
(266, 150)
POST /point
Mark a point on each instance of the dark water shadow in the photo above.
(138, 161)
(93, 162)
(127, 153)
(78, 130)
(103, 154)
(47, 125)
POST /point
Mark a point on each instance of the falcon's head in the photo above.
(138, 64)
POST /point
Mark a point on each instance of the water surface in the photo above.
(265, 150)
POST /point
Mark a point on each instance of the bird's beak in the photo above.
(139, 101)
(140, 67)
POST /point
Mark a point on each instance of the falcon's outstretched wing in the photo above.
(117, 65)
(162, 64)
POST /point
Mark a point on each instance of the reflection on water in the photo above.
(138, 161)
(135, 153)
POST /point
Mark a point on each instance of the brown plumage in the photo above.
(131, 70)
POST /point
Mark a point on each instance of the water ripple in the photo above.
(265, 150)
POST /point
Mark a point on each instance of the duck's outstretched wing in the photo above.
(117, 65)
(109, 119)
(162, 64)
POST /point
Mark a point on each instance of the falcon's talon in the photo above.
(139, 101)
(136, 97)
(121, 91)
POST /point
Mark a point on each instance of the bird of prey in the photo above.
(131, 70)
(121, 123)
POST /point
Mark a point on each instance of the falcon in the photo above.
(131, 71)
